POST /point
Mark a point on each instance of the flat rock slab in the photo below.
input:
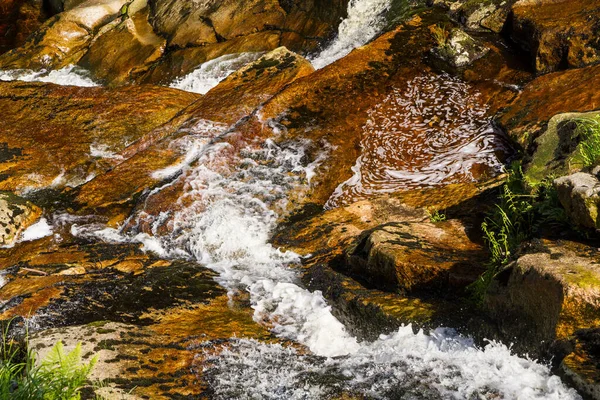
(56, 136)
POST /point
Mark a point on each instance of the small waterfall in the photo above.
(210, 73)
(365, 20)
(67, 76)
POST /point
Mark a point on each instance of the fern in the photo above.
(59, 376)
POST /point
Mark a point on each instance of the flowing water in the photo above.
(432, 131)
(210, 73)
(234, 190)
(68, 76)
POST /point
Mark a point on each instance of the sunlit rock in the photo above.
(171, 148)
(125, 51)
(558, 34)
(459, 49)
(16, 215)
(65, 38)
(60, 136)
(549, 95)
(555, 151)
(410, 257)
(580, 196)
(547, 294)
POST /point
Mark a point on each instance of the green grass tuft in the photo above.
(589, 147)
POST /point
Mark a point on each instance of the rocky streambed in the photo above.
(299, 199)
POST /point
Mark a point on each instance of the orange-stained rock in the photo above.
(343, 109)
(547, 96)
(124, 52)
(164, 152)
(55, 136)
(188, 24)
(558, 34)
(16, 215)
(18, 19)
(64, 38)
(180, 62)
(416, 256)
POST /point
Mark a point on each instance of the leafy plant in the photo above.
(436, 215)
(59, 376)
(440, 34)
(523, 210)
(589, 146)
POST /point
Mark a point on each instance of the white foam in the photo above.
(67, 76)
(365, 20)
(36, 231)
(403, 365)
(103, 151)
(209, 74)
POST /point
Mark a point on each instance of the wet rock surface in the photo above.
(558, 34)
(350, 170)
(55, 136)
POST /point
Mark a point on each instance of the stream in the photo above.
(234, 196)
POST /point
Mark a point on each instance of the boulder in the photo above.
(60, 136)
(124, 52)
(558, 34)
(546, 295)
(555, 151)
(16, 215)
(459, 49)
(582, 366)
(477, 15)
(64, 38)
(418, 256)
(187, 23)
(301, 24)
(580, 196)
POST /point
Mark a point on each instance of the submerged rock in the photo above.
(546, 295)
(16, 215)
(558, 34)
(580, 196)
